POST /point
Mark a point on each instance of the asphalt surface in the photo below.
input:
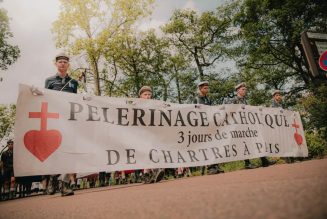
(296, 190)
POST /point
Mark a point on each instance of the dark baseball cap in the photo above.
(62, 56)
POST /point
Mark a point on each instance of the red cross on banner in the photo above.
(42, 143)
(298, 138)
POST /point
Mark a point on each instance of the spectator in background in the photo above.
(8, 171)
(277, 100)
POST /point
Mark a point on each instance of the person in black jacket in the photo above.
(8, 170)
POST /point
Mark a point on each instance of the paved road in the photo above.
(282, 191)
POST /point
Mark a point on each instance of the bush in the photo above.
(314, 110)
(317, 145)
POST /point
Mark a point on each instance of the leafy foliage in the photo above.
(314, 108)
(7, 119)
(317, 144)
(203, 38)
(272, 48)
(86, 27)
(8, 53)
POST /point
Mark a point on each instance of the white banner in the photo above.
(60, 132)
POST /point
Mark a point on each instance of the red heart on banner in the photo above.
(298, 138)
(42, 143)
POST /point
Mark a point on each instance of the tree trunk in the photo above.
(165, 94)
(113, 81)
(196, 58)
(178, 87)
(137, 80)
(95, 70)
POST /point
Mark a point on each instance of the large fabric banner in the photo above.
(60, 132)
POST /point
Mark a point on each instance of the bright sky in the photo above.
(31, 23)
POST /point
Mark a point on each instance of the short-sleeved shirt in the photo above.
(66, 84)
(202, 100)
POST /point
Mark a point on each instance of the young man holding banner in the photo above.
(202, 98)
(151, 175)
(62, 82)
(277, 102)
(240, 98)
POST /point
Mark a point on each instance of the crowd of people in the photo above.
(67, 183)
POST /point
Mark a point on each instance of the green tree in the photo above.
(317, 144)
(179, 66)
(314, 108)
(7, 119)
(270, 31)
(273, 57)
(204, 38)
(157, 56)
(8, 53)
(142, 59)
(127, 58)
(85, 27)
(147, 59)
